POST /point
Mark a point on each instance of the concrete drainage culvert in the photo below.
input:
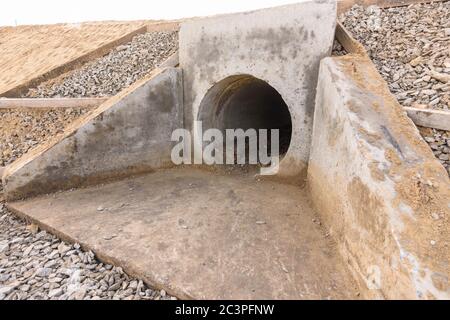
(372, 217)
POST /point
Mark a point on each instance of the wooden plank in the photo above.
(38, 103)
(345, 5)
(28, 51)
(437, 119)
(71, 65)
(347, 41)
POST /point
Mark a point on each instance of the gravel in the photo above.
(22, 130)
(338, 49)
(34, 265)
(439, 142)
(113, 72)
(410, 47)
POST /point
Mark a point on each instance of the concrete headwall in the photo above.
(377, 185)
(282, 46)
(128, 134)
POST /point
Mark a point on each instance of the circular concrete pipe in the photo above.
(245, 102)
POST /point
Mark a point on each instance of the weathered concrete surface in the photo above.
(202, 235)
(128, 134)
(282, 46)
(377, 185)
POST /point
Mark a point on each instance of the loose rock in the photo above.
(115, 71)
(410, 48)
(439, 142)
(21, 131)
(31, 267)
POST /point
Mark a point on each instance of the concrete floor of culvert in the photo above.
(199, 234)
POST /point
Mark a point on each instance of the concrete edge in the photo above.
(51, 103)
(437, 119)
(71, 65)
(171, 62)
(127, 267)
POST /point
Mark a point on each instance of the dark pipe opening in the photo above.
(245, 102)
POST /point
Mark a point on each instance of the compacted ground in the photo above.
(411, 48)
(31, 50)
(113, 72)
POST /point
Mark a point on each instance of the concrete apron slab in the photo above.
(202, 235)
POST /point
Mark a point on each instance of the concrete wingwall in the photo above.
(282, 46)
(128, 134)
(377, 185)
